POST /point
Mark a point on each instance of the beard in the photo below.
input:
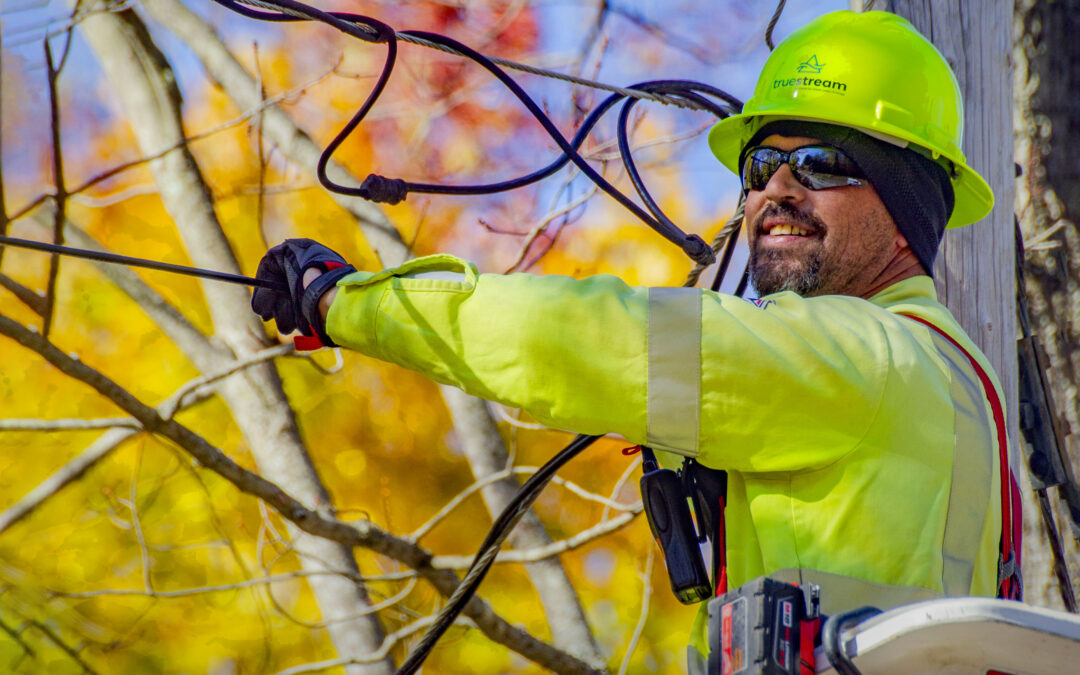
(773, 272)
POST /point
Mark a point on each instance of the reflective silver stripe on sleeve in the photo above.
(973, 471)
(674, 378)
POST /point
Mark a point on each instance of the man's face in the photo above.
(835, 241)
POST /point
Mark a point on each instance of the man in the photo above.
(861, 429)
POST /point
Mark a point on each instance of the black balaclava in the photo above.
(915, 190)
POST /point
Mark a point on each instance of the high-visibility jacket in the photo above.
(860, 447)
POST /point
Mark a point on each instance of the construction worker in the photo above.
(861, 429)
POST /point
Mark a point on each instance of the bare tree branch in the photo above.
(122, 428)
(549, 551)
(150, 97)
(28, 297)
(61, 189)
(481, 440)
(72, 424)
(390, 641)
(64, 476)
(356, 534)
(223, 68)
(54, 638)
(646, 593)
(224, 588)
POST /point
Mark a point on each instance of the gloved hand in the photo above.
(299, 309)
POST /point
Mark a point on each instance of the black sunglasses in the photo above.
(816, 167)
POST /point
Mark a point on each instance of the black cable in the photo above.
(101, 256)
(579, 138)
(744, 281)
(670, 87)
(772, 24)
(485, 557)
(513, 183)
(379, 188)
(693, 245)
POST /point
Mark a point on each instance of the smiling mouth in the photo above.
(787, 230)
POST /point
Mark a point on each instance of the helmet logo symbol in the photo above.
(811, 65)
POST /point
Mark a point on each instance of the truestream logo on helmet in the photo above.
(812, 66)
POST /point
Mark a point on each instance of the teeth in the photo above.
(788, 229)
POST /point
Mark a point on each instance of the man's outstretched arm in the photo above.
(575, 353)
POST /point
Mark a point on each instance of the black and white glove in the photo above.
(285, 264)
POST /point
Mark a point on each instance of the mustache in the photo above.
(788, 212)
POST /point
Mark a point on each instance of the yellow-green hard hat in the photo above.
(873, 72)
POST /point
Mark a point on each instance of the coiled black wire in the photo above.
(379, 188)
(382, 189)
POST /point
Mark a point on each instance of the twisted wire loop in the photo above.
(725, 240)
(772, 24)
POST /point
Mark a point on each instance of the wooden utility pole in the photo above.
(975, 269)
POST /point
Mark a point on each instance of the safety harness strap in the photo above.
(1010, 581)
(674, 375)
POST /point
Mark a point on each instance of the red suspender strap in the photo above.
(1009, 586)
(721, 547)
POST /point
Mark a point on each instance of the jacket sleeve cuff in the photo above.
(352, 319)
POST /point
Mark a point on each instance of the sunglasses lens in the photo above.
(819, 168)
(816, 167)
(759, 166)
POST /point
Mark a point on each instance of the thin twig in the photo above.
(388, 643)
(72, 424)
(59, 642)
(192, 392)
(30, 298)
(59, 216)
(544, 221)
(456, 501)
(607, 156)
(260, 200)
(4, 221)
(133, 506)
(646, 594)
(549, 551)
(16, 635)
(497, 476)
(204, 590)
(64, 476)
(212, 131)
(502, 414)
(629, 471)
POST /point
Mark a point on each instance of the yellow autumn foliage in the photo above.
(149, 563)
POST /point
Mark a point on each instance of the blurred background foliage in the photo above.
(150, 564)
